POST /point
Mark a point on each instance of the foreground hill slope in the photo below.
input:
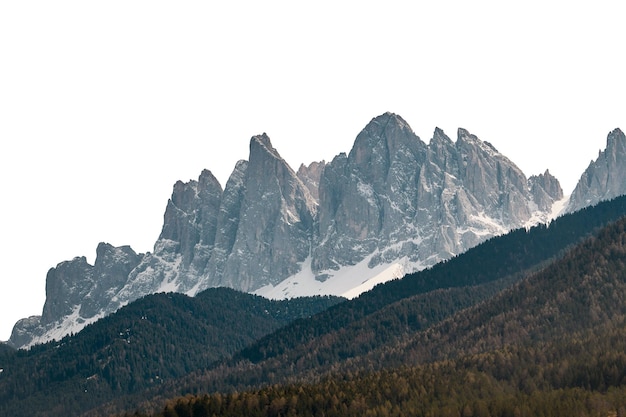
(574, 376)
(168, 344)
(146, 343)
(551, 344)
(580, 294)
(422, 299)
(392, 313)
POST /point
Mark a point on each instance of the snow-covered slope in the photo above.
(348, 281)
(351, 280)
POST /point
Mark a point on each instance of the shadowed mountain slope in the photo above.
(551, 344)
(372, 331)
(144, 344)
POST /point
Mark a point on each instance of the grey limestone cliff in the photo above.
(310, 176)
(253, 233)
(77, 293)
(545, 189)
(394, 196)
(604, 178)
(275, 223)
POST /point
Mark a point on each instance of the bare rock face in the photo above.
(310, 176)
(391, 199)
(364, 195)
(78, 293)
(228, 224)
(254, 232)
(25, 330)
(545, 189)
(276, 221)
(395, 197)
(190, 218)
(604, 178)
(77, 284)
(184, 245)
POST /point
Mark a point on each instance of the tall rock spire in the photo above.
(275, 222)
(604, 178)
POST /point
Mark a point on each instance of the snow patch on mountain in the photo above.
(70, 324)
(347, 281)
(352, 280)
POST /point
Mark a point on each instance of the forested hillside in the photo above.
(448, 286)
(144, 344)
(347, 336)
(413, 303)
(552, 344)
(223, 341)
(574, 377)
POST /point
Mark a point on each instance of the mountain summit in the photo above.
(392, 205)
(604, 178)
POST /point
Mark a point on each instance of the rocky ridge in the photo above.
(393, 205)
(604, 178)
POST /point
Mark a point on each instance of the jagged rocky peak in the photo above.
(64, 283)
(76, 283)
(496, 182)
(24, 331)
(485, 169)
(184, 246)
(616, 141)
(265, 161)
(268, 173)
(276, 222)
(464, 136)
(310, 176)
(190, 216)
(228, 220)
(442, 152)
(545, 189)
(185, 199)
(363, 195)
(379, 143)
(604, 178)
(393, 188)
(440, 140)
(79, 290)
(392, 201)
(262, 143)
(549, 183)
(110, 273)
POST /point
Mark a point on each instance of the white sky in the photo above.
(105, 105)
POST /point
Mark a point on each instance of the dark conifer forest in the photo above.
(144, 344)
(553, 344)
(530, 323)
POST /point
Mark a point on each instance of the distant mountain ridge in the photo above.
(393, 205)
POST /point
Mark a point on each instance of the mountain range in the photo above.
(534, 313)
(393, 205)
